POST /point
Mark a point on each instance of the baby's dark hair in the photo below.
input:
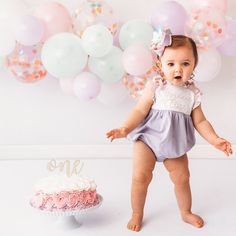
(182, 40)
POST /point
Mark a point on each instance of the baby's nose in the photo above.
(178, 69)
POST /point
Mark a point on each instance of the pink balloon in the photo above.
(56, 18)
(28, 30)
(170, 15)
(86, 86)
(219, 4)
(137, 60)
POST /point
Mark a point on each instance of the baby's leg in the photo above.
(143, 165)
(179, 174)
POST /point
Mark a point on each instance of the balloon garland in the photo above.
(90, 51)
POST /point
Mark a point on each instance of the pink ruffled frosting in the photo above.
(67, 200)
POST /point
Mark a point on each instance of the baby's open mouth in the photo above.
(178, 77)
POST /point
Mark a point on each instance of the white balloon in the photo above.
(112, 94)
(209, 65)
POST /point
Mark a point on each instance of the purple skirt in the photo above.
(169, 134)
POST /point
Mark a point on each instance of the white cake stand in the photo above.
(67, 219)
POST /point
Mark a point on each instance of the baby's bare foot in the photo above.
(193, 219)
(135, 222)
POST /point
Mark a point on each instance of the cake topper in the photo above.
(69, 167)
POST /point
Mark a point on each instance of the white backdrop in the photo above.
(40, 114)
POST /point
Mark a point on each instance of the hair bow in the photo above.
(160, 40)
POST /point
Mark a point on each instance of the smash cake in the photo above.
(60, 192)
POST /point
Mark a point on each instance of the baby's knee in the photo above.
(142, 178)
(180, 177)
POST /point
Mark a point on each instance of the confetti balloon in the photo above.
(207, 27)
(219, 4)
(25, 63)
(134, 84)
(94, 12)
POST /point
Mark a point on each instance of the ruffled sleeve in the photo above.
(197, 95)
(152, 85)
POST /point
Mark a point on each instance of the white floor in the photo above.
(214, 198)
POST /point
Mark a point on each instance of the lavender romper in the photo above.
(168, 128)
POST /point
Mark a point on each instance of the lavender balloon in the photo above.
(170, 15)
(228, 47)
(28, 30)
(231, 28)
(86, 86)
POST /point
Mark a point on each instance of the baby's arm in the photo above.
(135, 117)
(205, 129)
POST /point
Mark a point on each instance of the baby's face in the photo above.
(177, 64)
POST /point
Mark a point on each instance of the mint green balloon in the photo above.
(63, 56)
(135, 31)
(108, 68)
(97, 40)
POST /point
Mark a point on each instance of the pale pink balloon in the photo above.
(86, 86)
(219, 4)
(28, 30)
(137, 60)
(55, 17)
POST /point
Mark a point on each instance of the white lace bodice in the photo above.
(174, 98)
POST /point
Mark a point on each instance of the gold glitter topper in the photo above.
(69, 167)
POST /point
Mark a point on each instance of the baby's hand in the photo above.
(117, 133)
(224, 146)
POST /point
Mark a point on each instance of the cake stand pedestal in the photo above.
(67, 219)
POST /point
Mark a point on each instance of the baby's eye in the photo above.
(170, 64)
(186, 63)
